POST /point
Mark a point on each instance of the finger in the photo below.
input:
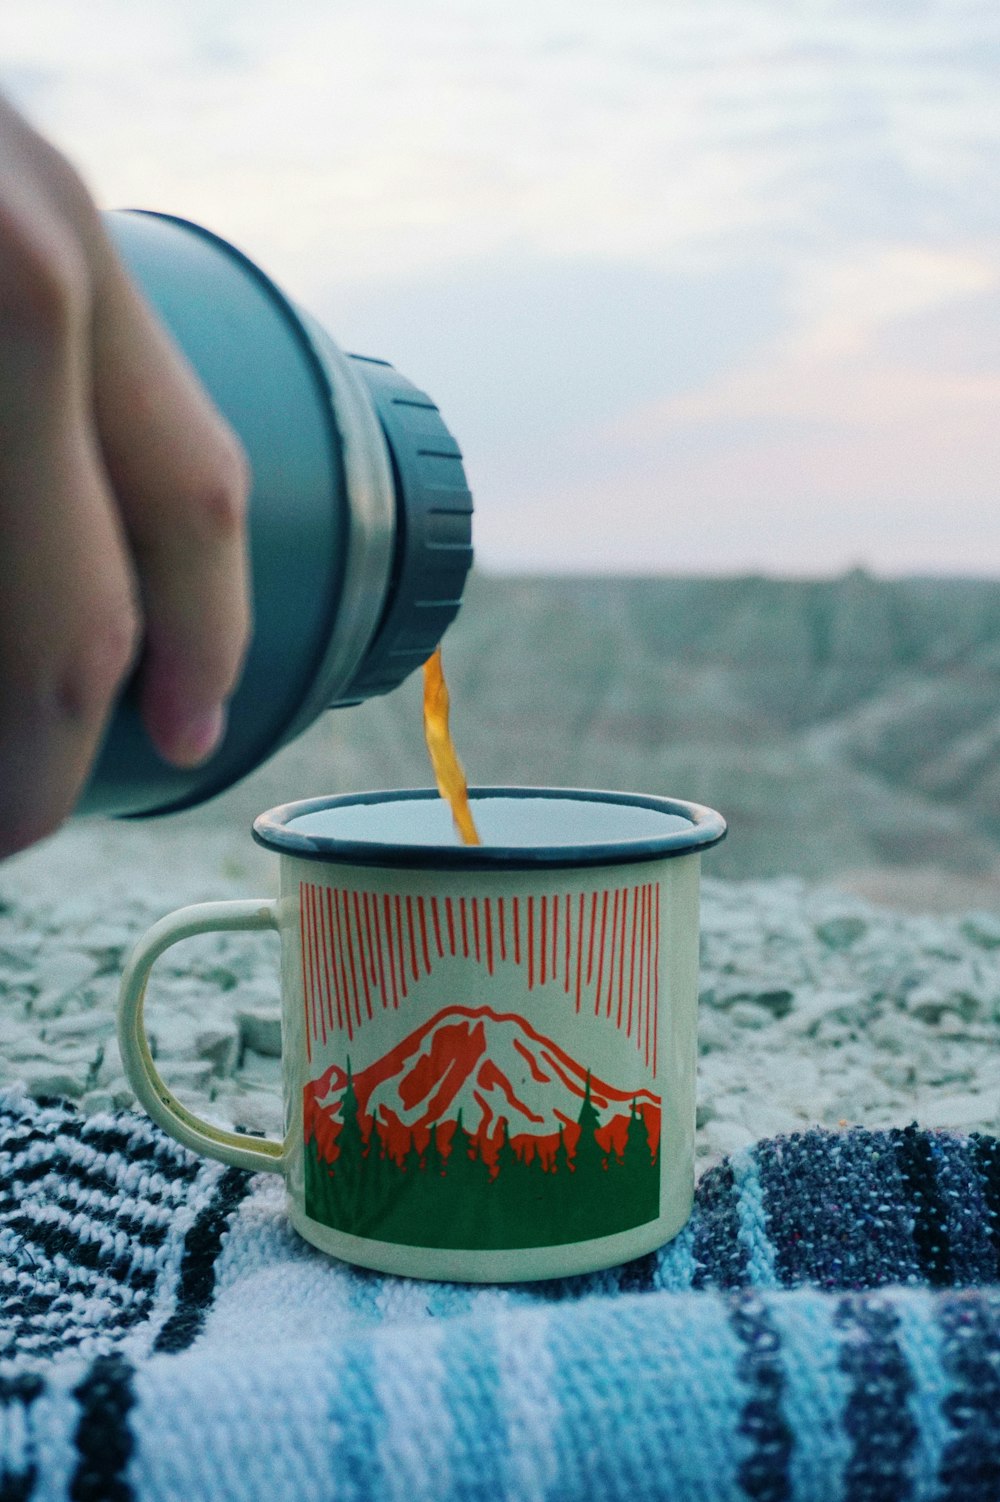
(68, 619)
(181, 482)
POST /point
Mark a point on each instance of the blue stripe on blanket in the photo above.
(839, 1209)
(625, 1428)
(355, 1424)
(922, 1346)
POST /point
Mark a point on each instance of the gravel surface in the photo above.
(817, 1007)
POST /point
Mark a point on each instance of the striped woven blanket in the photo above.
(826, 1327)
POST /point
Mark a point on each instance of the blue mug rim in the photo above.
(706, 828)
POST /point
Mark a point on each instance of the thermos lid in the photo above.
(359, 521)
(433, 551)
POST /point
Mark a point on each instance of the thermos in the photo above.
(359, 518)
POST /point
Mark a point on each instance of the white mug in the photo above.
(488, 1051)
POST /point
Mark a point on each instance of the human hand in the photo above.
(122, 505)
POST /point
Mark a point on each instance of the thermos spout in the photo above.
(359, 519)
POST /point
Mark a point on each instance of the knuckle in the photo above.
(99, 662)
(221, 500)
(45, 286)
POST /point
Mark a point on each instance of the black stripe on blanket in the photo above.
(104, 1440)
(138, 1141)
(986, 1154)
(720, 1257)
(87, 1248)
(930, 1213)
(85, 1212)
(201, 1249)
(970, 1465)
(764, 1474)
(877, 1417)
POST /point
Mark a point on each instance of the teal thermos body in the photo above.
(360, 514)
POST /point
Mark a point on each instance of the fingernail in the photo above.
(197, 737)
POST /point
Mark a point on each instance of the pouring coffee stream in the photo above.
(448, 773)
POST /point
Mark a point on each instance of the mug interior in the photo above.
(564, 826)
(524, 823)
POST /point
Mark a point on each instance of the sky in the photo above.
(700, 286)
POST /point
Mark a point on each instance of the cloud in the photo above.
(830, 360)
(373, 137)
(846, 439)
(718, 274)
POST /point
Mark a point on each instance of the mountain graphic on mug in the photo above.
(478, 1131)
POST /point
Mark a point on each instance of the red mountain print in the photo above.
(492, 1069)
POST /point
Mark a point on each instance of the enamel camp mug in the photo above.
(488, 1051)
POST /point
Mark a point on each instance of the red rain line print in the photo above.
(531, 943)
(642, 964)
(387, 914)
(600, 956)
(368, 931)
(345, 940)
(340, 963)
(326, 998)
(328, 894)
(593, 930)
(631, 967)
(488, 918)
(362, 962)
(305, 987)
(356, 945)
(611, 956)
(423, 934)
(378, 950)
(403, 948)
(307, 920)
(621, 955)
(647, 956)
(318, 972)
(656, 982)
(412, 935)
(310, 963)
(541, 977)
(314, 977)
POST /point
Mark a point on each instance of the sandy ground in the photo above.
(818, 1006)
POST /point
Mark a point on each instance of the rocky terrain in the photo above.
(848, 729)
(851, 922)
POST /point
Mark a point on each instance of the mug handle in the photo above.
(236, 1148)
